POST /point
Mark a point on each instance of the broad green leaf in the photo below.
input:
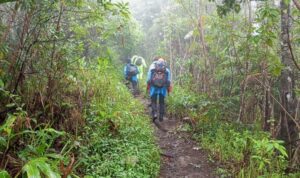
(7, 127)
(4, 174)
(269, 147)
(31, 170)
(35, 167)
(46, 169)
(281, 149)
(11, 105)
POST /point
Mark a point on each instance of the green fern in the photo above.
(37, 167)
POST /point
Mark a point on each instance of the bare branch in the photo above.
(297, 4)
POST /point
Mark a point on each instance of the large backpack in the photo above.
(159, 75)
(131, 70)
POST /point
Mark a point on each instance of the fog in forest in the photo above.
(78, 97)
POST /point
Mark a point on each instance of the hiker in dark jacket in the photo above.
(130, 72)
(158, 85)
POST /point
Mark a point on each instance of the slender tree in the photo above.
(288, 123)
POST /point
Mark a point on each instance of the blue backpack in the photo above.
(131, 70)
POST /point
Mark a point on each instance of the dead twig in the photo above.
(68, 169)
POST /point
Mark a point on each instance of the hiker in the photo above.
(140, 63)
(131, 71)
(155, 59)
(158, 85)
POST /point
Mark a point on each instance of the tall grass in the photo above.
(118, 139)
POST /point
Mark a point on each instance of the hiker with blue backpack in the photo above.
(158, 86)
(130, 72)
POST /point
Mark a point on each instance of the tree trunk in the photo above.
(288, 127)
(266, 98)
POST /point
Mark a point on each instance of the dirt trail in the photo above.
(181, 157)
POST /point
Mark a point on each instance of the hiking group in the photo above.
(158, 82)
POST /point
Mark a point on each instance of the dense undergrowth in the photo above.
(61, 113)
(118, 139)
(240, 150)
(113, 137)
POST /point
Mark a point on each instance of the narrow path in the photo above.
(181, 157)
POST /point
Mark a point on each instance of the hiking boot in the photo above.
(154, 117)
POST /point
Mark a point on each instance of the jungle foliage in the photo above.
(235, 66)
(62, 110)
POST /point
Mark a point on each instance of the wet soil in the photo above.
(181, 156)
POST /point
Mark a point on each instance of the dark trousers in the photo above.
(154, 105)
(135, 90)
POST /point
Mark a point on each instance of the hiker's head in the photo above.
(161, 60)
(128, 60)
(156, 58)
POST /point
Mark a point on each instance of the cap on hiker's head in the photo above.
(161, 60)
